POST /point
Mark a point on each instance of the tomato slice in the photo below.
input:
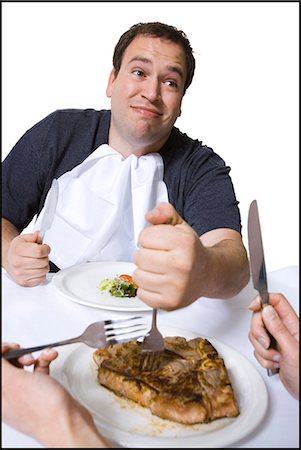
(128, 278)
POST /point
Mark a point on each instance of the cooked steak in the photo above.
(190, 383)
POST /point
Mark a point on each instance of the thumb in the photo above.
(276, 327)
(32, 237)
(164, 213)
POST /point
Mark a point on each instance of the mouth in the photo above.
(147, 112)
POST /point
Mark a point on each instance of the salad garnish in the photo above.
(121, 286)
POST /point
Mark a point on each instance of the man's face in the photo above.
(146, 94)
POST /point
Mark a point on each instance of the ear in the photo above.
(111, 80)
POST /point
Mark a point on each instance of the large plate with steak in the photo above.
(202, 393)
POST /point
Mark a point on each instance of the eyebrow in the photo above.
(171, 68)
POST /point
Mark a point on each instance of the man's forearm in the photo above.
(9, 232)
(227, 270)
(76, 430)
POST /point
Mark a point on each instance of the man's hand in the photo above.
(283, 323)
(170, 261)
(24, 259)
(37, 405)
(175, 266)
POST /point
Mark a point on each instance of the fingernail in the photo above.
(48, 351)
(28, 358)
(262, 342)
(276, 358)
(269, 312)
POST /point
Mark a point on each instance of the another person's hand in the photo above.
(170, 260)
(283, 323)
(27, 261)
(37, 405)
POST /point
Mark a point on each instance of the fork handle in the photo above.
(14, 354)
(154, 318)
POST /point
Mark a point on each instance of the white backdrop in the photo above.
(243, 101)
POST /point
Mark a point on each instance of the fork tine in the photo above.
(122, 319)
(111, 340)
(123, 327)
(152, 344)
(116, 333)
(149, 361)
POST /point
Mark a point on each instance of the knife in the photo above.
(49, 209)
(257, 265)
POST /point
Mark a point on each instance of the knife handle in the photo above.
(273, 344)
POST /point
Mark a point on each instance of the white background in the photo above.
(243, 101)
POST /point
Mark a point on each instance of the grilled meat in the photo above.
(189, 385)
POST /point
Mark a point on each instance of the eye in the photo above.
(138, 72)
(171, 83)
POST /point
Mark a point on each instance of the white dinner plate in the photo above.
(80, 284)
(128, 424)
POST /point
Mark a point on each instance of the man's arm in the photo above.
(34, 403)
(175, 266)
(228, 265)
(22, 257)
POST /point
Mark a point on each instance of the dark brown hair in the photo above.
(160, 30)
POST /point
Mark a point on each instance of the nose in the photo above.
(152, 89)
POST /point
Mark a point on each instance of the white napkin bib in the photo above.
(102, 205)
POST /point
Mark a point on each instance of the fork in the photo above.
(98, 334)
(152, 344)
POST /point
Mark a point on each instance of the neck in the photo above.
(126, 148)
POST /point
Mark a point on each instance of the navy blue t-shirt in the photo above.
(197, 179)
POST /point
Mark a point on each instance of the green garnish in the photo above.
(118, 287)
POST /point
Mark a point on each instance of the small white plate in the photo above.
(80, 284)
(130, 425)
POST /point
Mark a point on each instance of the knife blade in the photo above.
(257, 265)
(49, 209)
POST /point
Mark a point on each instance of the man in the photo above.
(121, 171)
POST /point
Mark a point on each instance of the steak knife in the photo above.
(257, 265)
(49, 209)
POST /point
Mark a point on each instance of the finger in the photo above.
(286, 313)
(35, 251)
(151, 260)
(164, 213)
(255, 305)
(9, 345)
(258, 331)
(25, 360)
(152, 282)
(26, 245)
(261, 348)
(266, 363)
(276, 327)
(27, 280)
(30, 237)
(157, 300)
(43, 362)
(159, 237)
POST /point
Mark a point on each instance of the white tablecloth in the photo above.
(32, 316)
